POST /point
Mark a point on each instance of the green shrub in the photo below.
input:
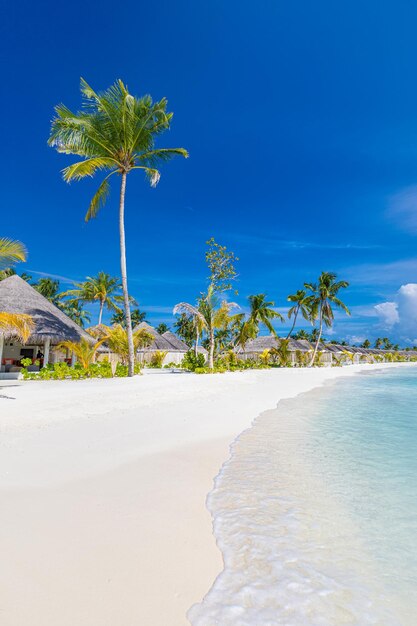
(63, 371)
(191, 362)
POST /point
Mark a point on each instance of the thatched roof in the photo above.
(17, 296)
(266, 342)
(175, 341)
(163, 342)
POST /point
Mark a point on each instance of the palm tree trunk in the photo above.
(197, 336)
(211, 350)
(100, 315)
(123, 271)
(293, 324)
(318, 339)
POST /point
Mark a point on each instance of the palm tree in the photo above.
(301, 334)
(11, 251)
(136, 317)
(115, 132)
(366, 344)
(162, 328)
(116, 338)
(103, 288)
(84, 350)
(185, 329)
(20, 325)
(75, 311)
(211, 314)
(323, 296)
(261, 312)
(49, 288)
(301, 304)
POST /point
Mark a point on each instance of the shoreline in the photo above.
(111, 480)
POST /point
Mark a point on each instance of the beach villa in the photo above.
(52, 326)
(168, 343)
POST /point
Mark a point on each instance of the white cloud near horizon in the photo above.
(400, 315)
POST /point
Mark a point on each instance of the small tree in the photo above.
(221, 263)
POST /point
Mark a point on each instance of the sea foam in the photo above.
(294, 554)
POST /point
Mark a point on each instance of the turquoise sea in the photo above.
(316, 511)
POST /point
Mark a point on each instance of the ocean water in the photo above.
(316, 511)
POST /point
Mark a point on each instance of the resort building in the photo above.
(51, 327)
(173, 347)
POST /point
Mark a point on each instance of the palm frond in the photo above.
(89, 167)
(11, 251)
(99, 199)
(18, 325)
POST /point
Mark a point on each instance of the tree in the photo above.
(221, 264)
(49, 288)
(261, 312)
(378, 343)
(11, 252)
(162, 328)
(301, 334)
(366, 344)
(117, 340)
(75, 311)
(185, 328)
(84, 350)
(16, 324)
(20, 325)
(212, 315)
(136, 316)
(301, 304)
(114, 133)
(324, 295)
(103, 288)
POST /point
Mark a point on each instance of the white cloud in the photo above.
(400, 316)
(388, 313)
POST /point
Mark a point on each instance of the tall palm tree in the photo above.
(114, 132)
(211, 313)
(301, 304)
(102, 288)
(323, 296)
(261, 312)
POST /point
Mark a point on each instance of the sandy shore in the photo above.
(103, 486)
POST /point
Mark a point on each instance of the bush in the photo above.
(191, 362)
(62, 371)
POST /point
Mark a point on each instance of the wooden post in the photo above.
(46, 347)
(1, 349)
(73, 359)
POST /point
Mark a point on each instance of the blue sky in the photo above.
(301, 123)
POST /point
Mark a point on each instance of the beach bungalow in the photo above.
(168, 342)
(52, 326)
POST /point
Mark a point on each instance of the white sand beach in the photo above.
(103, 486)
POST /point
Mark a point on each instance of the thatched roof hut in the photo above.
(175, 341)
(17, 296)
